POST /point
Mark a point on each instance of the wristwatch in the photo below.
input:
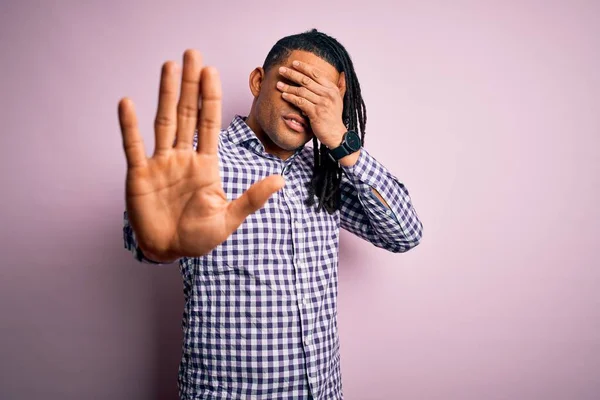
(350, 144)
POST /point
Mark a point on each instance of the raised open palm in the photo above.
(175, 200)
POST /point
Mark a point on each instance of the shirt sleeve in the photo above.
(131, 243)
(396, 228)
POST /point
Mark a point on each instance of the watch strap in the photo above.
(339, 152)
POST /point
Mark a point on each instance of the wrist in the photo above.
(346, 149)
(350, 159)
(335, 139)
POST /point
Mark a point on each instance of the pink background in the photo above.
(488, 111)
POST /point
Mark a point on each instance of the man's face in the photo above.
(271, 117)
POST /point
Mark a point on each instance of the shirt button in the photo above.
(388, 212)
(307, 340)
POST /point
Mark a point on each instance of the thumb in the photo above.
(252, 200)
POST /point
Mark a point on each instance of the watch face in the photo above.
(353, 141)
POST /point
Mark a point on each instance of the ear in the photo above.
(341, 84)
(256, 79)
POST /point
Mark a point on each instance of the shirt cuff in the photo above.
(365, 171)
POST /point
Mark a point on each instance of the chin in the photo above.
(291, 145)
(290, 140)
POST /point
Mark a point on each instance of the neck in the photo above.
(266, 141)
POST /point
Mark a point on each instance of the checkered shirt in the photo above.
(260, 317)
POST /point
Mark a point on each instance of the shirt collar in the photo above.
(239, 132)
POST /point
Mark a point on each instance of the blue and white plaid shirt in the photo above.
(260, 318)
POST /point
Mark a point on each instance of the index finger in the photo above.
(209, 124)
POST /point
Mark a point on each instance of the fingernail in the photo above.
(280, 85)
(296, 63)
(282, 70)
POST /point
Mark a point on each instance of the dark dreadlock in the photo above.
(327, 174)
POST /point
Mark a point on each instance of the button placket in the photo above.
(294, 206)
(308, 339)
(298, 260)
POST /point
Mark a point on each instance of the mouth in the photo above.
(296, 122)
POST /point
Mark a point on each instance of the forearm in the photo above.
(349, 161)
(377, 207)
(381, 199)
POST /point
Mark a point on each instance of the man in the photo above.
(260, 271)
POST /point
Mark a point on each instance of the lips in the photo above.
(295, 122)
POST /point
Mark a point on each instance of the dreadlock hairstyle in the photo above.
(327, 174)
